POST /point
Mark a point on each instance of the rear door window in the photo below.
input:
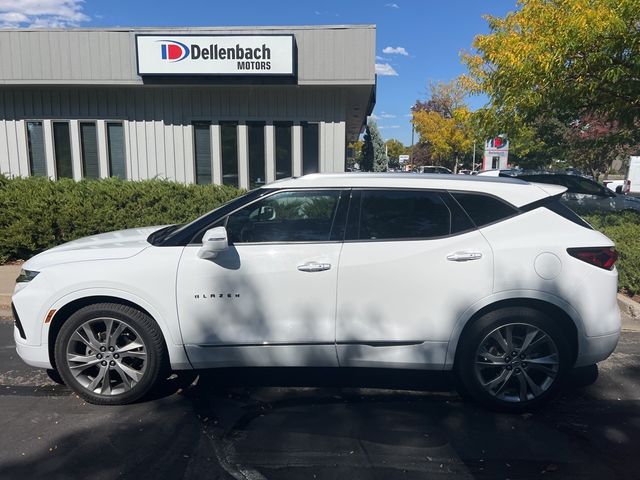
(401, 214)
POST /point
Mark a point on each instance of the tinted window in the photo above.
(283, 150)
(89, 150)
(256, 154)
(395, 214)
(305, 216)
(484, 209)
(202, 151)
(310, 148)
(586, 186)
(35, 143)
(116, 150)
(229, 139)
(62, 148)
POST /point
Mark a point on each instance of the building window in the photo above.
(284, 158)
(257, 169)
(89, 148)
(35, 143)
(310, 148)
(62, 149)
(115, 150)
(202, 147)
(229, 141)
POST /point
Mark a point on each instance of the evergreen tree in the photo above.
(374, 159)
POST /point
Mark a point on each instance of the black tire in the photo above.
(147, 332)
(519, 320)
(55, 376)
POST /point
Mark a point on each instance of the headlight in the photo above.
(26, 276)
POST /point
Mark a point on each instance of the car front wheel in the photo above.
(110, 354)
(513, 359)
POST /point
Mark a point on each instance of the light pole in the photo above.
(473, 165)
(412, 135)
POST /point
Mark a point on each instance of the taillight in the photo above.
(603, 257)
(626, 187)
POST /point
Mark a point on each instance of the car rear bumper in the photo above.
(596, 349)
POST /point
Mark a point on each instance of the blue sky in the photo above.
(423, 38)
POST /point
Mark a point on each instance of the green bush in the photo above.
(624, 229)
(36, 213)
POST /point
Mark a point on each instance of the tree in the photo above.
(444, 122)
(394, 148)
(373, 157)
(589, 144)
(354, 155)
(561, 58)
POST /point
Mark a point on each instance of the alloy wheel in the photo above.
(517, 362)
(106, 356)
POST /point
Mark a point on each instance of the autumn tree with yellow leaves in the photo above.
(566, 74)
(444, 124)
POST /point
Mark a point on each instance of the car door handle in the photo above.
(314, 267)
(464, 256)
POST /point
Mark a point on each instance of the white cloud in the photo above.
(395, 51)
(392, 5)
(41, 13)
(384, 127)
(385, 70)
(387, 115)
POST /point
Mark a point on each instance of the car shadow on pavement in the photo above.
(290, 423)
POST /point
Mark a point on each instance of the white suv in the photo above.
(491, 278)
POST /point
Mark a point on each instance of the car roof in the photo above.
(515, 191)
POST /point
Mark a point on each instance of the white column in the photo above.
(296, 148)
(128, 151)
(103, 155)
(243, 156)
(339, 146)
(189, 157)
(216, 154)
(270, 151)
(49, 153)
(325, 141)
(76, 160)
(23, 150)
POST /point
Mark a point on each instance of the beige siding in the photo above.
(326, 55)
(157, 121)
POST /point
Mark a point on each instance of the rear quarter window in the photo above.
(484, 209)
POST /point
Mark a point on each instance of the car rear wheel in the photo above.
(110, 354)
(513, 359)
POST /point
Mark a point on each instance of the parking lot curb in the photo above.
(629, 307)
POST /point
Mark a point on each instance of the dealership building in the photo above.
(238, 106)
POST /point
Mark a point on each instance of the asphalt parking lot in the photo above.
(320, 424)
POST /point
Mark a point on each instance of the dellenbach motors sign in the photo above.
(215, 55)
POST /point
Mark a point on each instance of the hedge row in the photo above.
(624, 229)
(36, 213)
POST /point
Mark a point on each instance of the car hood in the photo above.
(105, 246)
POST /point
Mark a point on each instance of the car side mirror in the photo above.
(619, 189)
(214, 241)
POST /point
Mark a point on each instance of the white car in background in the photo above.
(500, 283)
